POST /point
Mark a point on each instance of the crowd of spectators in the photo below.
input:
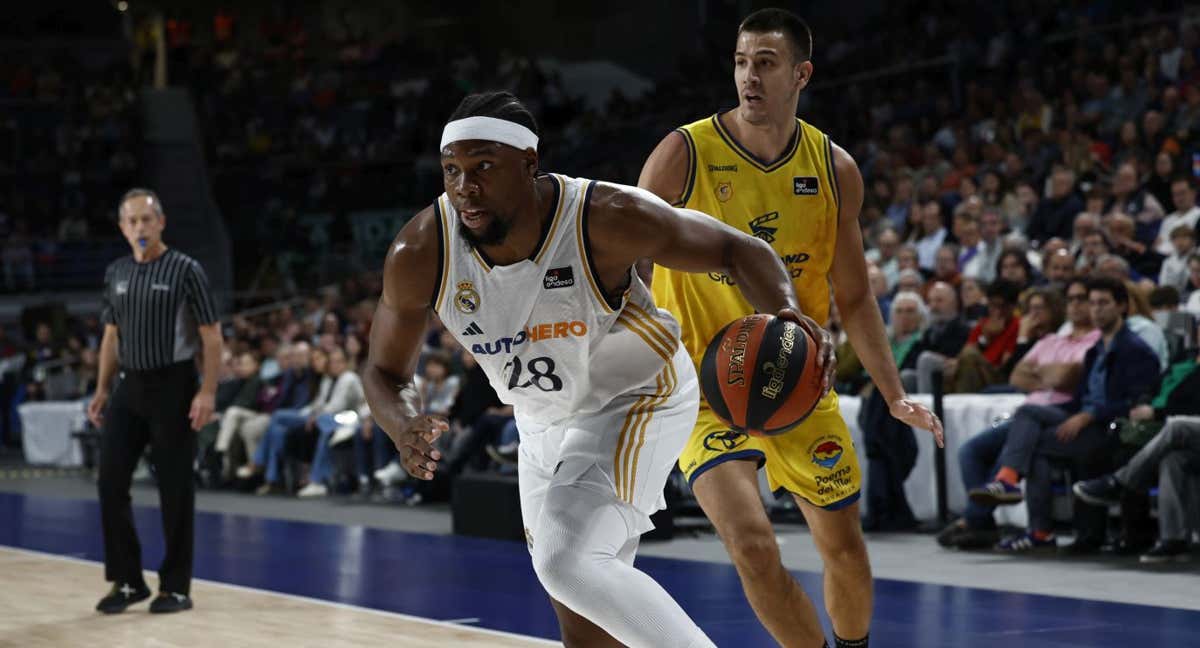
(69, 144)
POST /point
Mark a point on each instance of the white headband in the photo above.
(490, 129)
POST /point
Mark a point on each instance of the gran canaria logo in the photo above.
(466, 300)
(760, 229)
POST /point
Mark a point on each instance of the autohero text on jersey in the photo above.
(532, 334)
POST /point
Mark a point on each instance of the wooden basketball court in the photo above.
(47, 602)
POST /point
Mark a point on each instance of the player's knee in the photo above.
(849, 554)
(755, 553)
(561, 571)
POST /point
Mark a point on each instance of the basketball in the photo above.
(760, 375)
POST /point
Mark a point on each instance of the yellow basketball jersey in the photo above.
(791, 203)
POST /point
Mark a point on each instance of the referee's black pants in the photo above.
(150, 407)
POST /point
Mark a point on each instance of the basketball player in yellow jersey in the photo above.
(763, 171)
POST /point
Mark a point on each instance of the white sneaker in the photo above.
(245, 472)
(393, 473)
(313, 490)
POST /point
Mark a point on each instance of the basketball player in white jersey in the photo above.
(534, 274)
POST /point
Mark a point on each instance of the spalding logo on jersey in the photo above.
(466, 300)
(805, 185)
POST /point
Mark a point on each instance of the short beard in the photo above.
(495, 232)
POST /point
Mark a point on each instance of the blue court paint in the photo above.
(456, 578)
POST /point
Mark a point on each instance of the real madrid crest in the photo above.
(466, 300)
(724, 191)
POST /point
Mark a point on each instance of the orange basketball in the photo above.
(760, 375)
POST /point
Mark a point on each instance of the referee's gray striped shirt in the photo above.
(156, 307)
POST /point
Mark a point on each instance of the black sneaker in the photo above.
(1167, 551)
(996, 493)
(170, 602)
(948, 537)
(121, 596)
(1101, 491)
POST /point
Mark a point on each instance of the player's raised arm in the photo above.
(409, 280)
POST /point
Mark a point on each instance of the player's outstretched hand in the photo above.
(417, 454)
(918, 416)
(827, 356)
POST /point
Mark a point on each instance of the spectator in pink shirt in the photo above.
(1049, 374)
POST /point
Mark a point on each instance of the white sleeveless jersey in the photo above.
(542, 330)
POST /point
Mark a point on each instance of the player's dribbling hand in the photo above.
(827, 357)
(917, 415)
(415, 443)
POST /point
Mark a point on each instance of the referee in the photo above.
(157, 314)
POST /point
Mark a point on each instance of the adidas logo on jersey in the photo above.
(559, 278)
(473, 329)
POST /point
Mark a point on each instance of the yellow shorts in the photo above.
(815, 461)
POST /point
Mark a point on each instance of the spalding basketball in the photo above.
(760, 375)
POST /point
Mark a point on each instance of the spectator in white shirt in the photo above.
(1174, 270)
(1186, 213)
(930, 234)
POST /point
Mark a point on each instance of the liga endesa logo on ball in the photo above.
(776, 370)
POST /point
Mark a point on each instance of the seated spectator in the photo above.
(973, 296)
(983, 266)
(908, 320)
(1049, 373)
(268, 458)
(242, 391)
(944, 338)
(1131, 199)
(1117, 370)
(945, 266)
(292, 391)
(1059, 268)
(1172, 455)
(1141, 321)
(345, 395)
(907, 259)
(1142, 258)
(1054, 215)
(1183, 194)
(1094, 246)
(1043, 314)
(1174, 270)
(910, 281)
(990, 344)
(884, 255)
(1164, 300)
(929, 234)
(1192, 290)
(879, 288)
(1014, 267)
